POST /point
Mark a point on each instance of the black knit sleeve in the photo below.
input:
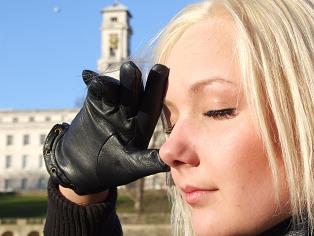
(70, 219)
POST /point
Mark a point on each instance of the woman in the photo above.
(239, 109)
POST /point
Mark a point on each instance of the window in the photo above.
(31, 119)
(8, 161)
(42, 139)
(15, 119)
(113, 19)
(48, 118)
(26, 139)
(23, 183)
(9, 140)
(8, 184)
(24, 161)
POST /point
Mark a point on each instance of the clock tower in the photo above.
(115, 35)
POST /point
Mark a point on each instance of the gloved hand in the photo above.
(105, 145)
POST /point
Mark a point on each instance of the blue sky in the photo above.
(43, 51)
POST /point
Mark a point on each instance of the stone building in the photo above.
(21, 139)
(21, 227)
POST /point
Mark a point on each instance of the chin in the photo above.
(217, 229)
(205, 225)
(211, 223)
(204, 229)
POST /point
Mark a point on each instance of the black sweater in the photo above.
(65, 218)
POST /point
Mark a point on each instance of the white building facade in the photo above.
(22, 135)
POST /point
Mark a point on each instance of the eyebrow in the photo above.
(199, 84)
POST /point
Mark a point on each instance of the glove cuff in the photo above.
(52, 167)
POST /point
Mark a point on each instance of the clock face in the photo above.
(113, 41)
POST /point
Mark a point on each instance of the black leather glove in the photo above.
(105, 145)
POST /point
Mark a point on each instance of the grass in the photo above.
(23, 206)
(155, 201)
(33, 205)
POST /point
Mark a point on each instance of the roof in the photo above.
(53, 110)
(117, 6)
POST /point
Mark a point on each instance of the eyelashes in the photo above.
(222, 114)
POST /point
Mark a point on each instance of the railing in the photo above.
(22, 221)
(21, 226)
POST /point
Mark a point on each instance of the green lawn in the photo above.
(154, 202)
(35, 205)
(23, 206)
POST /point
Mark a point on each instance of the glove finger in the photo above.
(88, 75)
(105, 88)
(142, 164)
(131, 88)
(126, 166)
(152, 101)
(148, 162)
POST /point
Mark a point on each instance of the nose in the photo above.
(179, 148)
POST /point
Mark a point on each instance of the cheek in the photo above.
(247, 176)
(237, 163)
(236, 153)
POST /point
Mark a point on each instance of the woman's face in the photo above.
(215, 150)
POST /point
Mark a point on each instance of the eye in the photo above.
(227, 113)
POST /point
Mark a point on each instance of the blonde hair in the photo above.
(275, 45)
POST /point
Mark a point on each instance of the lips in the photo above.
(195, 195)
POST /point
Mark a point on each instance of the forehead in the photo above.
(206, 49)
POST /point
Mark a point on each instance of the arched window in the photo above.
(33, 233)
(7, 233)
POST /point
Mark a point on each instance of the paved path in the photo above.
(146, 230)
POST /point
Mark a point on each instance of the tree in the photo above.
(136, 189)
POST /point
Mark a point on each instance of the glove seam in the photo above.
(98, 156)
